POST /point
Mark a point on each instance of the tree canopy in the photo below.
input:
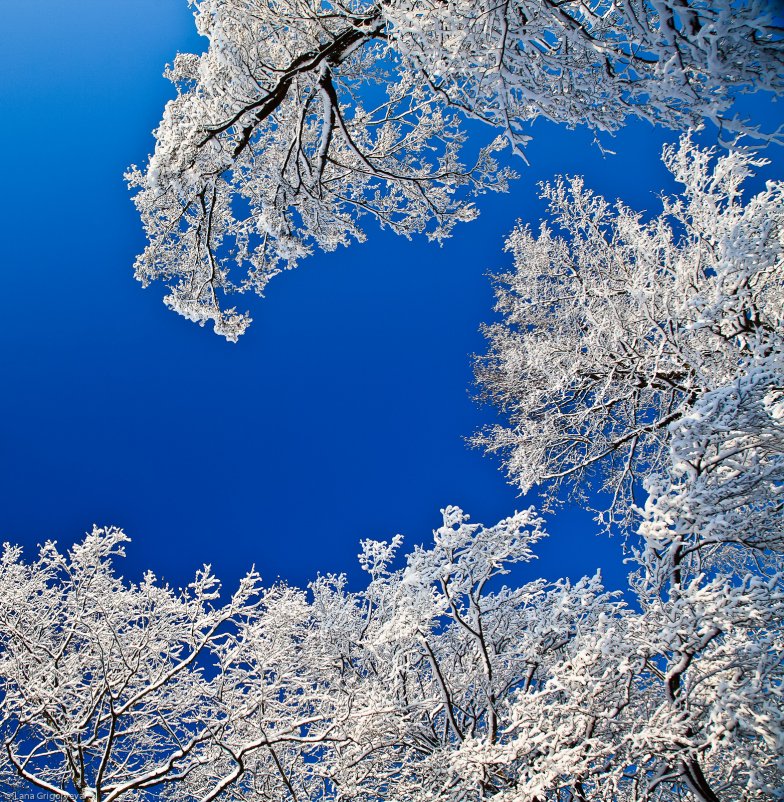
(302, 119)
(615, 327)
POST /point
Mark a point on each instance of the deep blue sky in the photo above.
(340, 414)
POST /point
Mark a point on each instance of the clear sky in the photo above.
(339, 415)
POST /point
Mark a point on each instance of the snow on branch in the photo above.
(304, 120)
(619, 335)
(433, 681)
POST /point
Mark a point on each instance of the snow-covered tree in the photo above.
(650, 353)
(434, 681)
(118, 691)
(615, 328)
(457, 657)
(110, 690)
(304, 117)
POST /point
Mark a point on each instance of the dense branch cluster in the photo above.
(432, 682)
(615, 328)
(303, 118)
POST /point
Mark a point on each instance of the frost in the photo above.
(305, 120)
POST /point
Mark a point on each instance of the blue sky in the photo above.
(340, 414)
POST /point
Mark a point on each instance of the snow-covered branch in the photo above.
(303, 119)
